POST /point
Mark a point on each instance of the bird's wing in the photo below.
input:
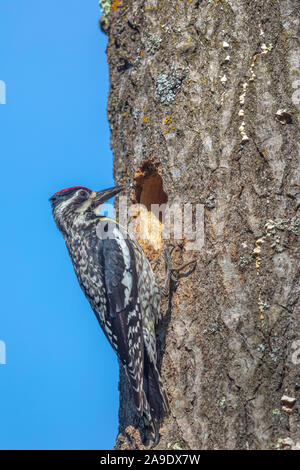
(123, 310)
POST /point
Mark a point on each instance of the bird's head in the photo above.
(78, 203)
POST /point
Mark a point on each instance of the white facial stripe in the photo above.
(62, 206)
(86, 204)
(59, 211)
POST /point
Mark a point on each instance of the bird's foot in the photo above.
(174, 273)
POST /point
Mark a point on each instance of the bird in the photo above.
(117, 279)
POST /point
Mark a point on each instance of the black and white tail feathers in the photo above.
(155, 399)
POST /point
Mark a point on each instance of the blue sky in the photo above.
(58, 389)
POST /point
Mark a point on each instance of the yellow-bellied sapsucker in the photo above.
(118, 281)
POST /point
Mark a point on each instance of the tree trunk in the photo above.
(204, 106)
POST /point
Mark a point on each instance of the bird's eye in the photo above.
(82, 192)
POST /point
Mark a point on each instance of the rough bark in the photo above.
(194, 91)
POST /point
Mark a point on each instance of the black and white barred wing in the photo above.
(124, 316)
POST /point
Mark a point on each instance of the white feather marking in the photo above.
(127, 278)
(86, 204)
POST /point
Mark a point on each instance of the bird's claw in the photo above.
(171, 270)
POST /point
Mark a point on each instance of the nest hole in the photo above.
(148, 191)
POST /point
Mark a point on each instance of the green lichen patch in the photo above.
(167, 85)
(278, 443)
(105, 6)
(289, 225)
(221, 402)
(151, 43)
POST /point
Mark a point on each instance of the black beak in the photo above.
(106, 194)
